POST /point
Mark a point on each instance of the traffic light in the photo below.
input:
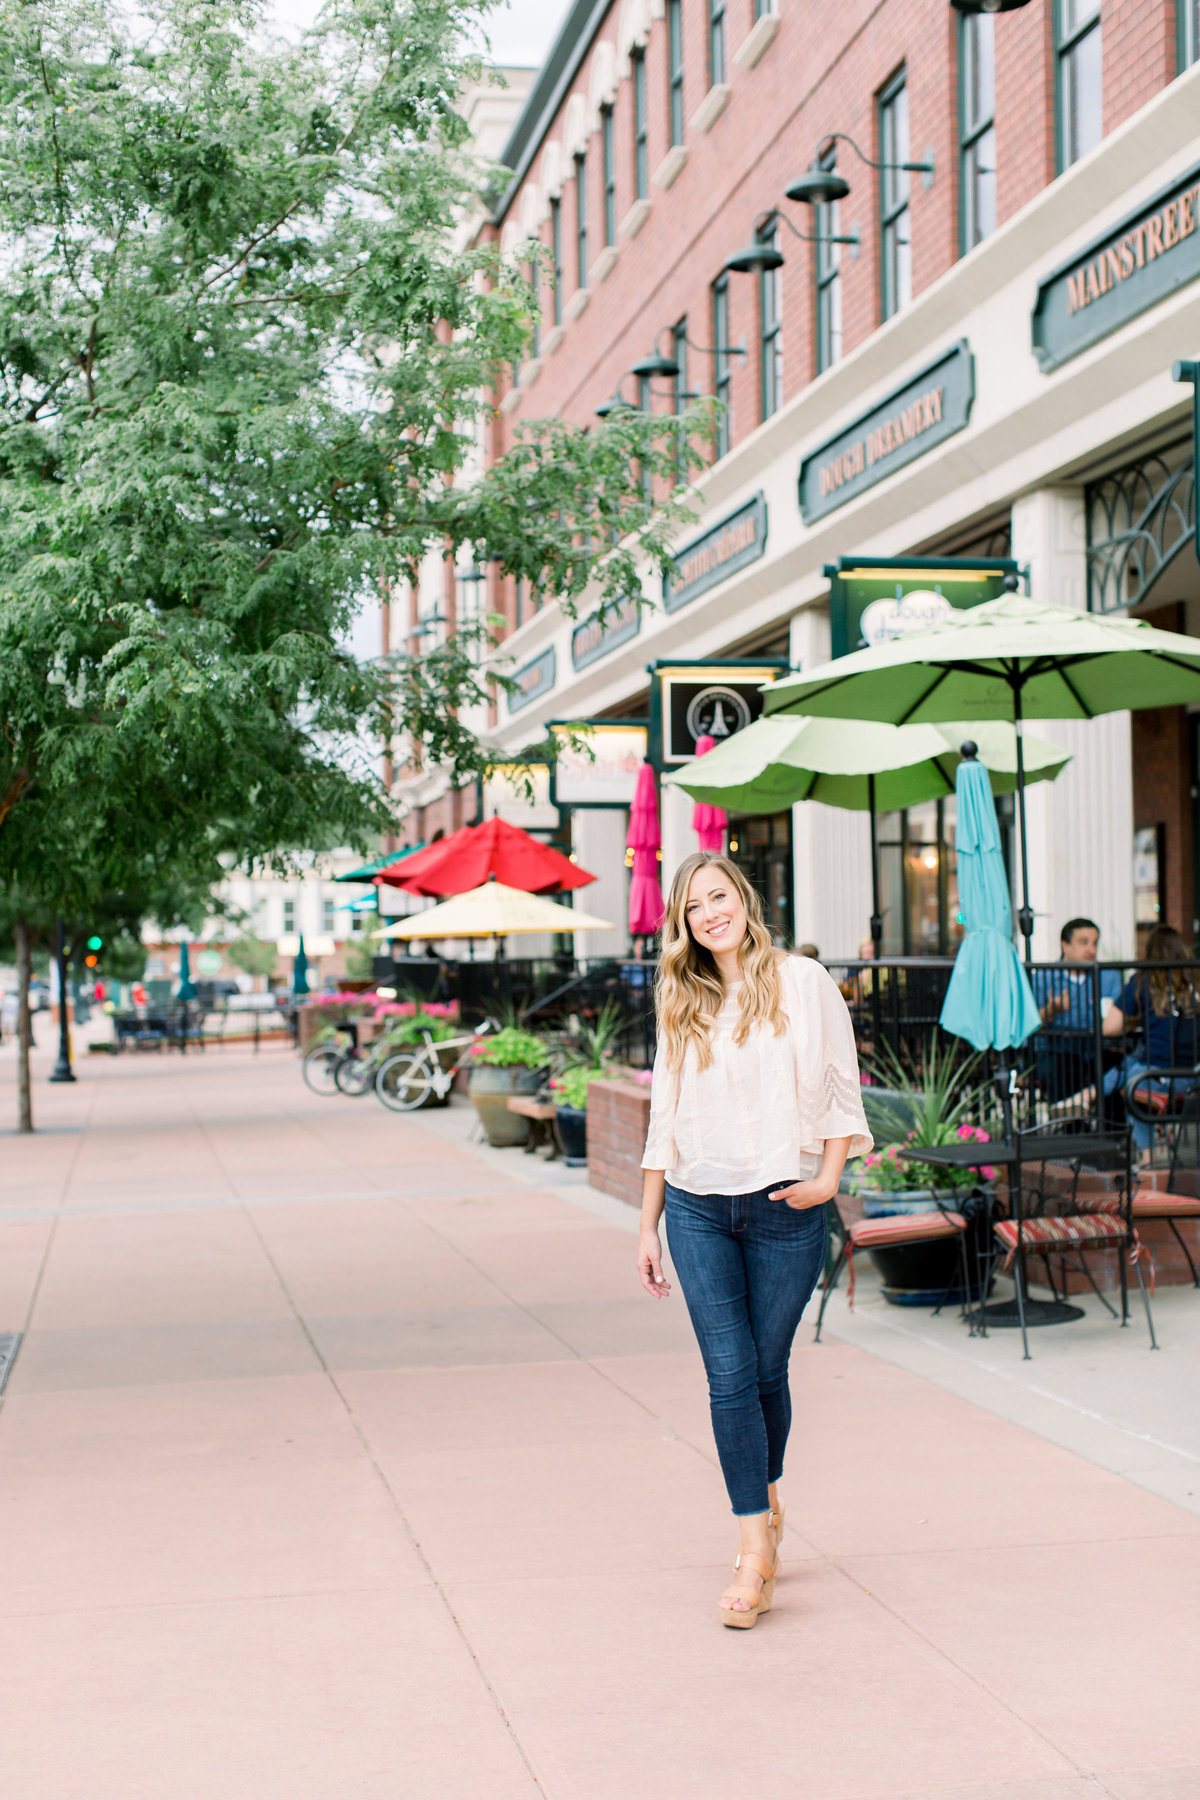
(94, 946)
(95, 943)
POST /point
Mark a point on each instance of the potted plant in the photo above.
(569, 1091)
(509, 1062)
(929, 1108)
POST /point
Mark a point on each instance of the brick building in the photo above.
(972, 361)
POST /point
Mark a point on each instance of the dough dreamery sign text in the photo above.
(1150, 254)
(928, 409)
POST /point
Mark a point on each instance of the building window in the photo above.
(828, 267)
(519, 604)
(1188, 25)
(641, 169)
(675, 69)
(894, 223)
(976, 127)
(581, 221)
(770, 324)
(556, 261)
(328, 921)
(609, 145)
(1080, 79)
(645, 401)
(535, 313)
(289, 915)
(680, 395)
(716, 42)
(762, 8)
(722, 366)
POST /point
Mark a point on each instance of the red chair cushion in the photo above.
(908, 1228)
(1154, 1102)
(1083, 1228)
(1157, 1203)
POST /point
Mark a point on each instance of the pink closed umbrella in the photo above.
(708, 822)
(644, 838)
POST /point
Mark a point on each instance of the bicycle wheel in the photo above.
(404, 1082)
(355, 1074)
(320, 1067)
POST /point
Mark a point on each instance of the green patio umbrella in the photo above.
(300, 972)
(989, 1001)
(1007, 659)
(187, 987)
(370, 870)
(859, 765)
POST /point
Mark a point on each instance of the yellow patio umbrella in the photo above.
(493, 910)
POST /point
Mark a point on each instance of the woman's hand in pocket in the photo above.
(802, 1195)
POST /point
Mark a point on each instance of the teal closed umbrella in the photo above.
(187, 987)
(300, 972)
(989, 1001)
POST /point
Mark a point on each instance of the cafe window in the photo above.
(609, 148)
(895, 238)
(640, 163)
(770, 328)
(761, 846)
(828, 266)
(675, 70)
(1079, 77)
(918, 881)
(722, 363)
(976, 128)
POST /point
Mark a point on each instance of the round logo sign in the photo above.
(209, 962)
(917, 610)
(717, 712)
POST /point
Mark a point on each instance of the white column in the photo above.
(598, 840)
(1080, 826)
(831, 848)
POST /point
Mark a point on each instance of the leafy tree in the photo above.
(252, 955)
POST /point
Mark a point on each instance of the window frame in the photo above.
(680, 393)
(722, 364)
(1187, 34)
(1065, 46)
(556, 262)
(893, 211)
(717, 63)
(972, 133)
(535, 311)
(641, 147)
(608, 172)
(674, 72)
(770, 329)
(827, 273)
(581, 220)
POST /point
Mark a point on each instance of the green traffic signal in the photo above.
(95, 943)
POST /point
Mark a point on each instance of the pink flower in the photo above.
(989, 1174)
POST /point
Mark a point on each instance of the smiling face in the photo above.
(715, 912)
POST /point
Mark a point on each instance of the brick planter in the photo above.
(618, 1116)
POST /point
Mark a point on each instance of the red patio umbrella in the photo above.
(708, 822)
(644, 838)
(475, 853)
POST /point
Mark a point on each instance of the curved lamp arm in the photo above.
(806, 237)
(914, 168)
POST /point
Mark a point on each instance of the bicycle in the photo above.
(320, 1066)
(410, 1078)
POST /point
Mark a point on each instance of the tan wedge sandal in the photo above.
(758, 1599)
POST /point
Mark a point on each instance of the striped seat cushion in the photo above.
(1082, 1228)
(911, 1228)
(1157, 1203)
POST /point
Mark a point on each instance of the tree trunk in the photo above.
(24, 1025)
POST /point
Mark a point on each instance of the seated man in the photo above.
(1066, 1048)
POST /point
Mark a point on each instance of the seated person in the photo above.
(1066, 1049)
(1165, 1004)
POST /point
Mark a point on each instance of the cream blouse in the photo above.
(761, 1111)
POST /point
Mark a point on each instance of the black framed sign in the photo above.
(704, 699)
(873, 598)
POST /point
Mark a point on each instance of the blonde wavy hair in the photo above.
(689, 991)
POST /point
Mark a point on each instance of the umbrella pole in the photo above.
(876, 915)
(1025, 915)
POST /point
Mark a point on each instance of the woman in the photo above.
(755, 1106)
(1166, 1006)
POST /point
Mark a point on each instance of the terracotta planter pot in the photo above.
(490, 1088)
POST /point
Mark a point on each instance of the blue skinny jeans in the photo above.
(747, 1266)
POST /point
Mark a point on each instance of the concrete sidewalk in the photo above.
(342, 1460)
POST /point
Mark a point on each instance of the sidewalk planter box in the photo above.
(489, 1087)
(618, 1117)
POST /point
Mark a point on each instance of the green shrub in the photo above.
(510, 1047)
(570, 1088)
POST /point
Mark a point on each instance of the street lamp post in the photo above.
(62, 1070)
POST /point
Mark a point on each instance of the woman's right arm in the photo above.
(649, 1257)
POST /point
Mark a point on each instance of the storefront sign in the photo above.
(535, 679)
(520, 795)
(613, 625)
(598, 762)
(721, 552)
(925, 412)
(873, 599)
(1143, 259)
(695, 700)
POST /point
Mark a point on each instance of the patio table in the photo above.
(1035, 1146)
